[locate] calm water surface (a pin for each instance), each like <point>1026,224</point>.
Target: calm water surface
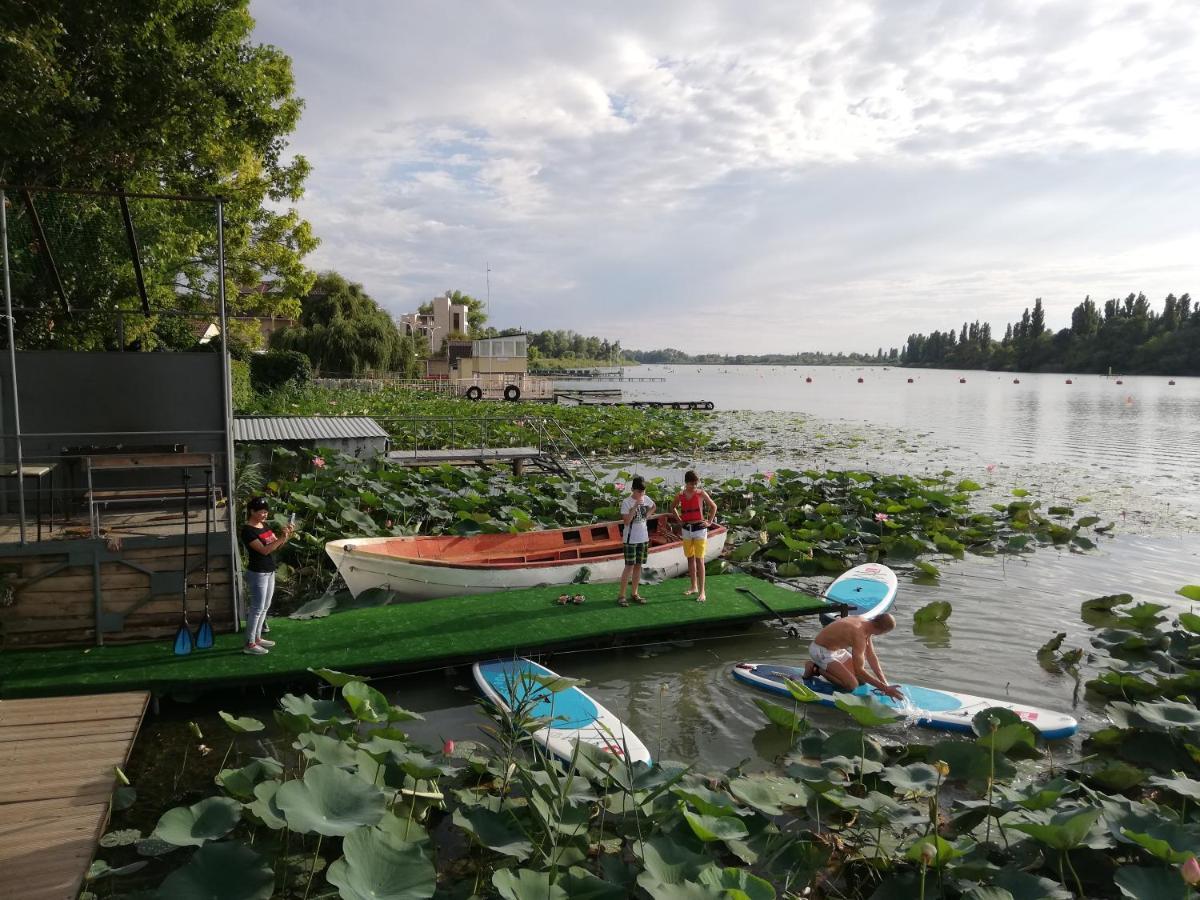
<point>1126,452</point>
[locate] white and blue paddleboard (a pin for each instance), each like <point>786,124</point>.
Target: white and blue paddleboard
<point>869,590</point>
<point>946,710</point>
<point>509,683</point>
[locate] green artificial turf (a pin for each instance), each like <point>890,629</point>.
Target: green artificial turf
<point>405,635</point>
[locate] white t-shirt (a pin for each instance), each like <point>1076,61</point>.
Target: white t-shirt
<point>637,532</point>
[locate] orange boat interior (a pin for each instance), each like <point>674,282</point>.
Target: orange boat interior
<point>588,542</point>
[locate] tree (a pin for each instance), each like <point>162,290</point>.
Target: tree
<point>163,96</point>
<point>344,332</point>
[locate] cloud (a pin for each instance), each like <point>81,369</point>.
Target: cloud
<point>725,176</point>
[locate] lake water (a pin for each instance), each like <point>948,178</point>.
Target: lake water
<point>1125,451</point>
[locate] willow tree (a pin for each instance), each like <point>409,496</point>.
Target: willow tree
<point>345,332</point>
<point>161,96</point>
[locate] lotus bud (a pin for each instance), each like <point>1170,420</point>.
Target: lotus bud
<point>120,775</point>
<point>928,854</point>
<point>1190,871</point>
<point>943,767</point>
<point>195,730</point>
<point>448,748</point>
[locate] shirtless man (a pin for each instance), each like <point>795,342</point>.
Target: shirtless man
<point>841,648</point>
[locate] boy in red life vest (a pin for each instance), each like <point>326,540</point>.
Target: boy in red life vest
<point>688,507</point>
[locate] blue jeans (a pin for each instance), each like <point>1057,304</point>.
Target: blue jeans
<point>262,588</point>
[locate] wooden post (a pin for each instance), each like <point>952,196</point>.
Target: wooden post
<point>518,466</point>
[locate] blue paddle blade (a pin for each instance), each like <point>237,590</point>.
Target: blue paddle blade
<point>183,640</point>
<point>204,635</point>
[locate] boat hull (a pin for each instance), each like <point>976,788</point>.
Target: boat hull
<point>429,580</point>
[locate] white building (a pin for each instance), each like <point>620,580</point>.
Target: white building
<point>445,319</point>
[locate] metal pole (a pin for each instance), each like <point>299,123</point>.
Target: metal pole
<point>12,362</point>
<point>227,404</point>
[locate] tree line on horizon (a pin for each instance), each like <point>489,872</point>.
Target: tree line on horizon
<point>1123,335</point>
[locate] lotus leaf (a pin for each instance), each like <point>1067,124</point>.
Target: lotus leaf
<point>367,704</point>
<point>710,803</point>
<point>121,838</point>
<point>497,831</point>
<point>192,826</point>
<point>243,725</point>
<point>1117,776</point>
<point>329,801</point>
<point>325,749</point>
<point>123,797</point>
<point>944,851</point>
<point>867,712</point>
<point>937,611</point>
<point>375,868</point>
<point>336,678</point>
<point>581,884</point>
<point>770,794</point>
<point>227,870</point>
<point>360,520</point>
<point>1179,784</point>
<point>918,778</point>
<point>737,883</point>
<point>781,716</point>
<point>1191,592</point>
<point>240,782</point>
<point>1169,714</point>
<point>987,892</point>
<point>1140,883</point>
<point>101,869</point>
<point>1024,886</point>
<point>668,862</point>
<point>971,762</point>
<point>314,711</point>
<point>801,692</point>
<point>402,829</point>
<point>715,828</point>
<point>1190,621</point>
<point>1065,831</point>
<point>264,806</point>
<point>555,684</point>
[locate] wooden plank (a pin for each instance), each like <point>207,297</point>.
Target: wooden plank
<point>30,712</point>
<point>118,579</point>
<point>150,461</point>
<point>67,729</point>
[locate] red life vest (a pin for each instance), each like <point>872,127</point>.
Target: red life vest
<point>689,508</point>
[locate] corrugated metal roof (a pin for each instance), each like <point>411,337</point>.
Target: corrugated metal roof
<point>305,428</point>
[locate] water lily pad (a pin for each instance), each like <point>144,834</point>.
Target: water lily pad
<point>866,711</point>
<point>737,883</point>
<point>715,828</point>
<point>264,806</point>
<point>497,831</point>
<point>937,611</point>
<point>101,869</point>
<point>192,826</point>
<point>325,749</point>
<point>1141,883</point>
<point>583,885</point>
<point>1191,592</point>
<point>329,801</point>
<point>1179,784</point>
<point>1065,831</point>
<point>943,851</point>
<point>314,711</point>
<point>1169,714</point>
<point>781,716</point>
<point>919,778</point>
<point>227,870</point>
<point>336,678</point>
<point>668,863</point>
<point>375,868</point>
<point>121,838</point>
<point>240,783</point>
<point>770,794</point>
<point>367,704</point>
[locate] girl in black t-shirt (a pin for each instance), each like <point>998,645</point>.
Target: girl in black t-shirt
<point>261,543</point>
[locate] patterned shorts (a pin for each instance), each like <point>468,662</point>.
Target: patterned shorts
<point>636,554</point>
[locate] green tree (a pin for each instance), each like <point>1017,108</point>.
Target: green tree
<point>162,96</point>
<point>344,332</point>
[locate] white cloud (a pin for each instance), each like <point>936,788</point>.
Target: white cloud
<point>840,173</point>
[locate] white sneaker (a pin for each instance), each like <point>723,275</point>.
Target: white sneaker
<point>263,642</point>
<point>255,650</point>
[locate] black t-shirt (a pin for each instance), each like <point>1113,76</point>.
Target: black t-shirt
<point>255,561</point>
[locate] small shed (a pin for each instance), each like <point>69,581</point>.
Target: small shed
<point>359,436</point>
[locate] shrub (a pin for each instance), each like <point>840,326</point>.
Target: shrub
<point>275,368</point>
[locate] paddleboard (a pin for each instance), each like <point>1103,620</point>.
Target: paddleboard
<point>510,683</point>
<point>945,710</point>
<point>869,590</point>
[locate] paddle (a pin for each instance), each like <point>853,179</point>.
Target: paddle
<point>791,629</point>
<point>204,634</point>
<point>183,637</point>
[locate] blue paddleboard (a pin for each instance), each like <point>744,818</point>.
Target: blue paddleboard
<point>869,590</point>
<point>574,715</point>
<point>945,710</point>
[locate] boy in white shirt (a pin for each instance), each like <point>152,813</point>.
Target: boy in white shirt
<point>635,510</point>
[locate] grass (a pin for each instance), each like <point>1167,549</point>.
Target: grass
<point>408,635</point>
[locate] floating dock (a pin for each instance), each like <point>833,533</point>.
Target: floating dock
<point>58,757</point>
<point>408,636</point>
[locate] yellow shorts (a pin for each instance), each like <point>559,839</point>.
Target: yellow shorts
<point>693,548</point>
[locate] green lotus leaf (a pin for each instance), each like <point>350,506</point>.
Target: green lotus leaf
<point>360,520</point>
<point>918,778</point>
<point>770,794</point>
<point>525,884</point>
<point>1191,592</point>
<point>707,802</point>
<point>121,838</point>
<point>336,678</point>
<point>1024,886</point>
<point>375,868</point>
<point>1065,831</point>
<point>943,851</point>
<point>1171,842</point>
<point>315,712</point>
<point>1117,776</point>
<point>801,692</point>
<point>241,725</point>
<point>581,884</point>
<point>240,783</point>
<point>367,704</point>
<point>1169,714</point>
<point>1179,784</point>
<point>937,611</point>
<point>781,716</point>
<point>264,807</point>
<point>325,749</point>
<point>192,826</point>
<point>329,801</point>
<point>497,831</point>
<point>1141,883</point>
<point>1190,621</point>
<point>101,869</point>
<point>737,883</point>
<point>715,828</point>
<point>987,892</point>
<point>668,862</point>
<point>867,711</point>
<point>227,870</point>
<point>402,829</point>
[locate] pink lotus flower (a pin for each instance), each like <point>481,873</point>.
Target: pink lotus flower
<point>319,462</point>
<point>448,748</point>
<point>620,485</point>
<point>770,476</point>
<point>389,524</point>
<point>1190,871</point>
<point>991,467</point>
<point>881,517</point>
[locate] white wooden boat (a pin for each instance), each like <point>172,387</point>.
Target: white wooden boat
<point>423,567</point>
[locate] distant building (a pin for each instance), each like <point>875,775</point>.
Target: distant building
<point>445,319</point>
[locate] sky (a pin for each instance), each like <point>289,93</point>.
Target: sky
<point>750,177</point>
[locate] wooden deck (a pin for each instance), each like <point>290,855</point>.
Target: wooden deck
<point>479,456</point>
<point>57,756</point>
